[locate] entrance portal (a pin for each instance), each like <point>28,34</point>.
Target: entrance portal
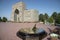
<point>16,15</point>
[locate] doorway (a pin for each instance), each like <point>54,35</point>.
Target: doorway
<point>16,15</point>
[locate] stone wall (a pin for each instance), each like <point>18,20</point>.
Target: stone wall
<point>23,15</point>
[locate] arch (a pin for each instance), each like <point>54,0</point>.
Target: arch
<point>16,15</point>
<point>17,11</point>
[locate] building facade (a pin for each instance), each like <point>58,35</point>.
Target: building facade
<point>21,14</point>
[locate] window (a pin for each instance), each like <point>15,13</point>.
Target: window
<point>17,11</point>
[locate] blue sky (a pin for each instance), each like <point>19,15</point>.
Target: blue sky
<point>43,6</point>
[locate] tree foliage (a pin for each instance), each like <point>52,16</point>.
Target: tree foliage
<point>50,20</point>
<point>4,19</point>
<point>54,15</point>
<point>41,17</point>
<point>57,20</point>
<point>46,16</point>
<point>0,19</point>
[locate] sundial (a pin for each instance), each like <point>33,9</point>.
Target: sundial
<point>31,34</point>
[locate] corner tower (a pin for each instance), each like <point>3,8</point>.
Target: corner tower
<point>17,12</point>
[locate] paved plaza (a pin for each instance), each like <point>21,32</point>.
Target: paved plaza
<point>8,30</point>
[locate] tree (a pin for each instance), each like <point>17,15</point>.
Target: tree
<point>50,20</point>
<point>54,15</point>
<point>4,19</point>
<point>46,16</point>
<point>41,17</point>
<point>0,19</point>
<point>57,20</point>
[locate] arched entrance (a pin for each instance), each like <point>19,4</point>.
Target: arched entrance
<point>16,15</point>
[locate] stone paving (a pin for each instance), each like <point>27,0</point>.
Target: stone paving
<point>8,30</point>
